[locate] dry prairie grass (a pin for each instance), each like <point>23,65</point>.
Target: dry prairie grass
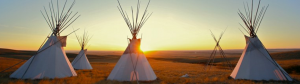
<point>168,72</point>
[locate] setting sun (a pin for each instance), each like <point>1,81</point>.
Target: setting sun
<point>145,47</point>
<point>179,29</point>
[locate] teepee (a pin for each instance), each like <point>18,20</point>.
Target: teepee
<point>133,65</point>
<point>81,61</point>
<point>255,62</point>
<point>50,61</point>
<point>217,48</point>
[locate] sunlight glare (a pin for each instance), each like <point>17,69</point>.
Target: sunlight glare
<point>145,48</point>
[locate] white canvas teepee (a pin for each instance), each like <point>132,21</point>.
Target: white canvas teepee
<point>50,61</point>
<point>81,61</point>
<point>133,64</point>
<point>256,63</point>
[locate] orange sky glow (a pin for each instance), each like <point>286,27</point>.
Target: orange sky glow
<point>174,25</point>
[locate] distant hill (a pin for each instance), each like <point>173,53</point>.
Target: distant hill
<point>25,55</point>
<point>5,51</point>
<point>16,53</point>
<point>21,54</point>
<point>283,55</point>
<point>232,56</point>
<point>286,55</point>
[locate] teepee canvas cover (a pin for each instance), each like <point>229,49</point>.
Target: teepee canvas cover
<point>256,63</point>
<point>133,60</point>
<point>51,61</point>
<point>81,61</point>
<point>133,64</point>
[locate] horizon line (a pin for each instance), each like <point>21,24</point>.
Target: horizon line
<point>157,50</point>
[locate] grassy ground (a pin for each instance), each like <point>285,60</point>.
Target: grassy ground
<point>168,69</point>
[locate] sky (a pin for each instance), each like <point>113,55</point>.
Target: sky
<point>174,24</point>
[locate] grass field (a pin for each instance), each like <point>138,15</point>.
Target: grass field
<point>169,66</point>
